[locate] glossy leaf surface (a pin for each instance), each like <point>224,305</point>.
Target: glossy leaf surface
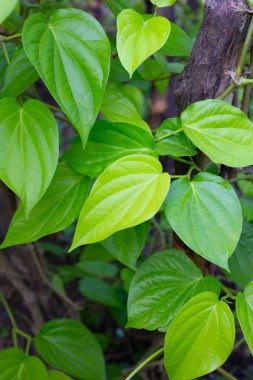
<point>161,286</point>
<point>200,338</point>
<point>127,193</point>
<point>206,214</point>
<point>71,52</point>
<point>244,311</point>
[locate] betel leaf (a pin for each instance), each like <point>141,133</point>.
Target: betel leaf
<point>107,143</point>
<point>179,44</point>
<point>59,207</point>
<point>95,252</point>
<point>221,131</point>
<point>127,193</point>
<point>241,262</point>
<point>118,106</point>
<point>15,365</point>
<point>29,149</point>
<point>99,291</point>
<point>162,285</point>
<point>200,338</point>
<point>127,245</point>
<point>175,145</point>
<point>206,214</point>
<point>163,3</point>
<point>71,53</point>
<point>56,375</point>
<point>244,311</point>
<point>6,7</point>
<point>20,75</point>
<point>69,346</point>
<point>138,39</point>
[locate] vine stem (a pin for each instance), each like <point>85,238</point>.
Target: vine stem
<point>244,51</point>
<point>13,37</point>
<point>145,362</point>
<point>226,374</point>
<point>6,55</point>
<point>11,317</point>
<point>168,135</point>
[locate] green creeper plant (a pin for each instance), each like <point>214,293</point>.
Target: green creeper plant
<point>110,179</point>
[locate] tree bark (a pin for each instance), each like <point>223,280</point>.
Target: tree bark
<point>215,53</point>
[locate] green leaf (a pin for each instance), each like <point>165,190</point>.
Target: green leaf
<point>206,214</point>
<point>126,276</point>
<point>244,311</point>
<point>241,262</point>
<point>11,49</point>
<point>95,252</point>
<point>200,338</point>
<point>29,149</point>
<point>177,145</point>
<point>127,245</point>
<point>118,106</point>
<point>138,39</point>
<point>127,193</point>
<point>107,143</point>
<point>69,346</point>
<point>15,365</point>
<point>59,207</point>
<point>20,75</point>
<point>98,268</point>
<point>55,375</point>
<point>161,286</point>
<point>6,7</point>
<point>71,53</point>
<point>163,3</point>
<point>221,131</point>
<point>179,44</point>
<point>99,291</point>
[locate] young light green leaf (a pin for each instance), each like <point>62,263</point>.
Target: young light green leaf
<point>6,7</point>
<point>161,286</point>
<point>71,53</point>
<point>127,193</point>
<point>107,143</point>
<point>20,75</point>
<point>99,291</point>
<point>127,245</point>
<point>206,214</point>
<point>221,131</point>
<point>175,145</point>
<point>69,346</point>
<point>119,106</point>
<point>163,3</point>
<point>200,338</point>
<point>179,44</point>
<point>244,311</point>
<point>241,262</point>
<point>59,207</point>
<point>29,149</point>
<point>138,39</point>
<point>55,375</point>
<point>14,364</point>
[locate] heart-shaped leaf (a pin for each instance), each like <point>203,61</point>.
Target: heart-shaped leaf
<point>244,311</point>
<point>221,131</point>
<point>71,53</point>
<point>127,193</point>
<point>71,347</point>
<point>206,214</point>
<point>200,338</point>
<point>161,286</point>
<point>138,39</point>
<point>14,364</point>
<point>29,149</point>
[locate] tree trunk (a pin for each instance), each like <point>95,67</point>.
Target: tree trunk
<point>214,58</point>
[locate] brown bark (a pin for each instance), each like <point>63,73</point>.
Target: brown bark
<point>214,57</point>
